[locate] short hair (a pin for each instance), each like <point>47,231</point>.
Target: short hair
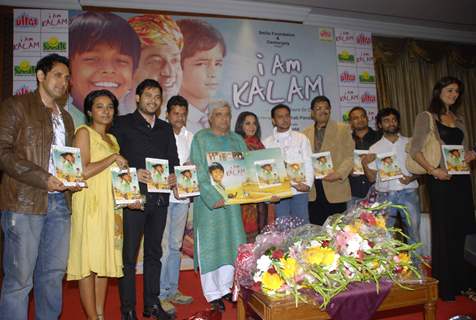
<point>240,121</point>
<point>452,151</point>
<point>199,35</point>
<point>358,108</point>
<point>157,165</point>
<point>320,99</point>
<point>89,101</point>
<point>47,63</point>
<point>185,171</point>
<point>215,166</point>
<point>436,105</point>
<point>177,101</point>
<point>279,106</point>
<point>385,112</point>
<point>65,154</point>
<point>147,83</point>
<point>215,104</point>
<point>89,29</point>
<point>156,29</point>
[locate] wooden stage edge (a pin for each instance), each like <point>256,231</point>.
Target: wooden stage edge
<point>425,293</point>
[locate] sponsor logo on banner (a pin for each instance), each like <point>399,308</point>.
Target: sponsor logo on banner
<point>26,43</point>
<point>363,39</point>
<point>347,76</point>
<point>24,68</point>
<point>368,97</point>
<point>22,87</point>
<point>54,20</point>
<point>26,20</point>
<point>345,56</point>
<point>349,96</point>
<point>366,76</point>
<point>364,56</point>
<point>325,34</point>
<point>54,42</point>
<point>345,37</point>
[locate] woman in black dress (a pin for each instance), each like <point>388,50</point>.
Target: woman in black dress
<point>451,196</point>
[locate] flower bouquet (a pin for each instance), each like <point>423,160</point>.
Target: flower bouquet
<point>315,263</point>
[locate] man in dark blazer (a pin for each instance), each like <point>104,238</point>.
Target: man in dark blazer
<point>141,135</point>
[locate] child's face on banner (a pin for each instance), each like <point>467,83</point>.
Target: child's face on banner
<point>161,62</point>
<point>202,72</point>
<point>103,67</point>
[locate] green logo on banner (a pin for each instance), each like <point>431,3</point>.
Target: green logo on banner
<point>53,44</point>
<point>24,69</point>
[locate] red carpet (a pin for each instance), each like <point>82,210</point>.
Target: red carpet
<point>190,285</point>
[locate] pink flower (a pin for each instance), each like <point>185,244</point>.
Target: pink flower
<point>342,238</point>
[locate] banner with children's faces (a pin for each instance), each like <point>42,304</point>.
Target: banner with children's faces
<point>253,65</point>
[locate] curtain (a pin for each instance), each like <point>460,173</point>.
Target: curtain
<point>406,71</point>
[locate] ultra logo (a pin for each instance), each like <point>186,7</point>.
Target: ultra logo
<point>22,90</point>
<point>26,21</point>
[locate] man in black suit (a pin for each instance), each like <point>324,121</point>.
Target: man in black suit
<point>142,134</point>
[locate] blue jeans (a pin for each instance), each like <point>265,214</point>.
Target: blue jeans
<point>295,206</point>
<point>410,199</point>
<point>35,255</point>
<point>171,245</point>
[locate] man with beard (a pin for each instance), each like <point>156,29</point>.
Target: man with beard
<point>141,135</point>
<point>364,137</point>
<point>402,191</point>
<point>35,209</point>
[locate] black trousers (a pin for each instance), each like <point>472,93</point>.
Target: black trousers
<point>320,209</point>
<point>151,224</point>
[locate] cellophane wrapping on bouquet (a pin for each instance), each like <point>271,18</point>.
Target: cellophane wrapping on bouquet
<point>315,263</point>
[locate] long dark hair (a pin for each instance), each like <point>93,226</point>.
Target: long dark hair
<point>89,101</point>
<point>241,120</point>
<point>436,105</point>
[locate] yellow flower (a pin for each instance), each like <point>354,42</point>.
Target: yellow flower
<point>271,281</point>
<point>404,258</point>
<point>351,228</point>
<point>319,256</point>
<point>289,267</point>
<point>380,222</point>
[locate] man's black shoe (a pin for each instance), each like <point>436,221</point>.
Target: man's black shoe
<point>228,297</point>
<point>157,312</point>
<point>218,305</point>
<point>130,315</point>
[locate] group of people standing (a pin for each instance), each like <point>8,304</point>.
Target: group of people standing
<point>99,241</point>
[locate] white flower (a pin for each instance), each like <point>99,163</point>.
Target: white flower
<point>354,244</point>
<point>315,243</point>
<point>334,264</point>
<point>263,263</point>
<point>258,276</point>
<point>364,246</point>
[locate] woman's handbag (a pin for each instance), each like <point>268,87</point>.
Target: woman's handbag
<point>431,151</point>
